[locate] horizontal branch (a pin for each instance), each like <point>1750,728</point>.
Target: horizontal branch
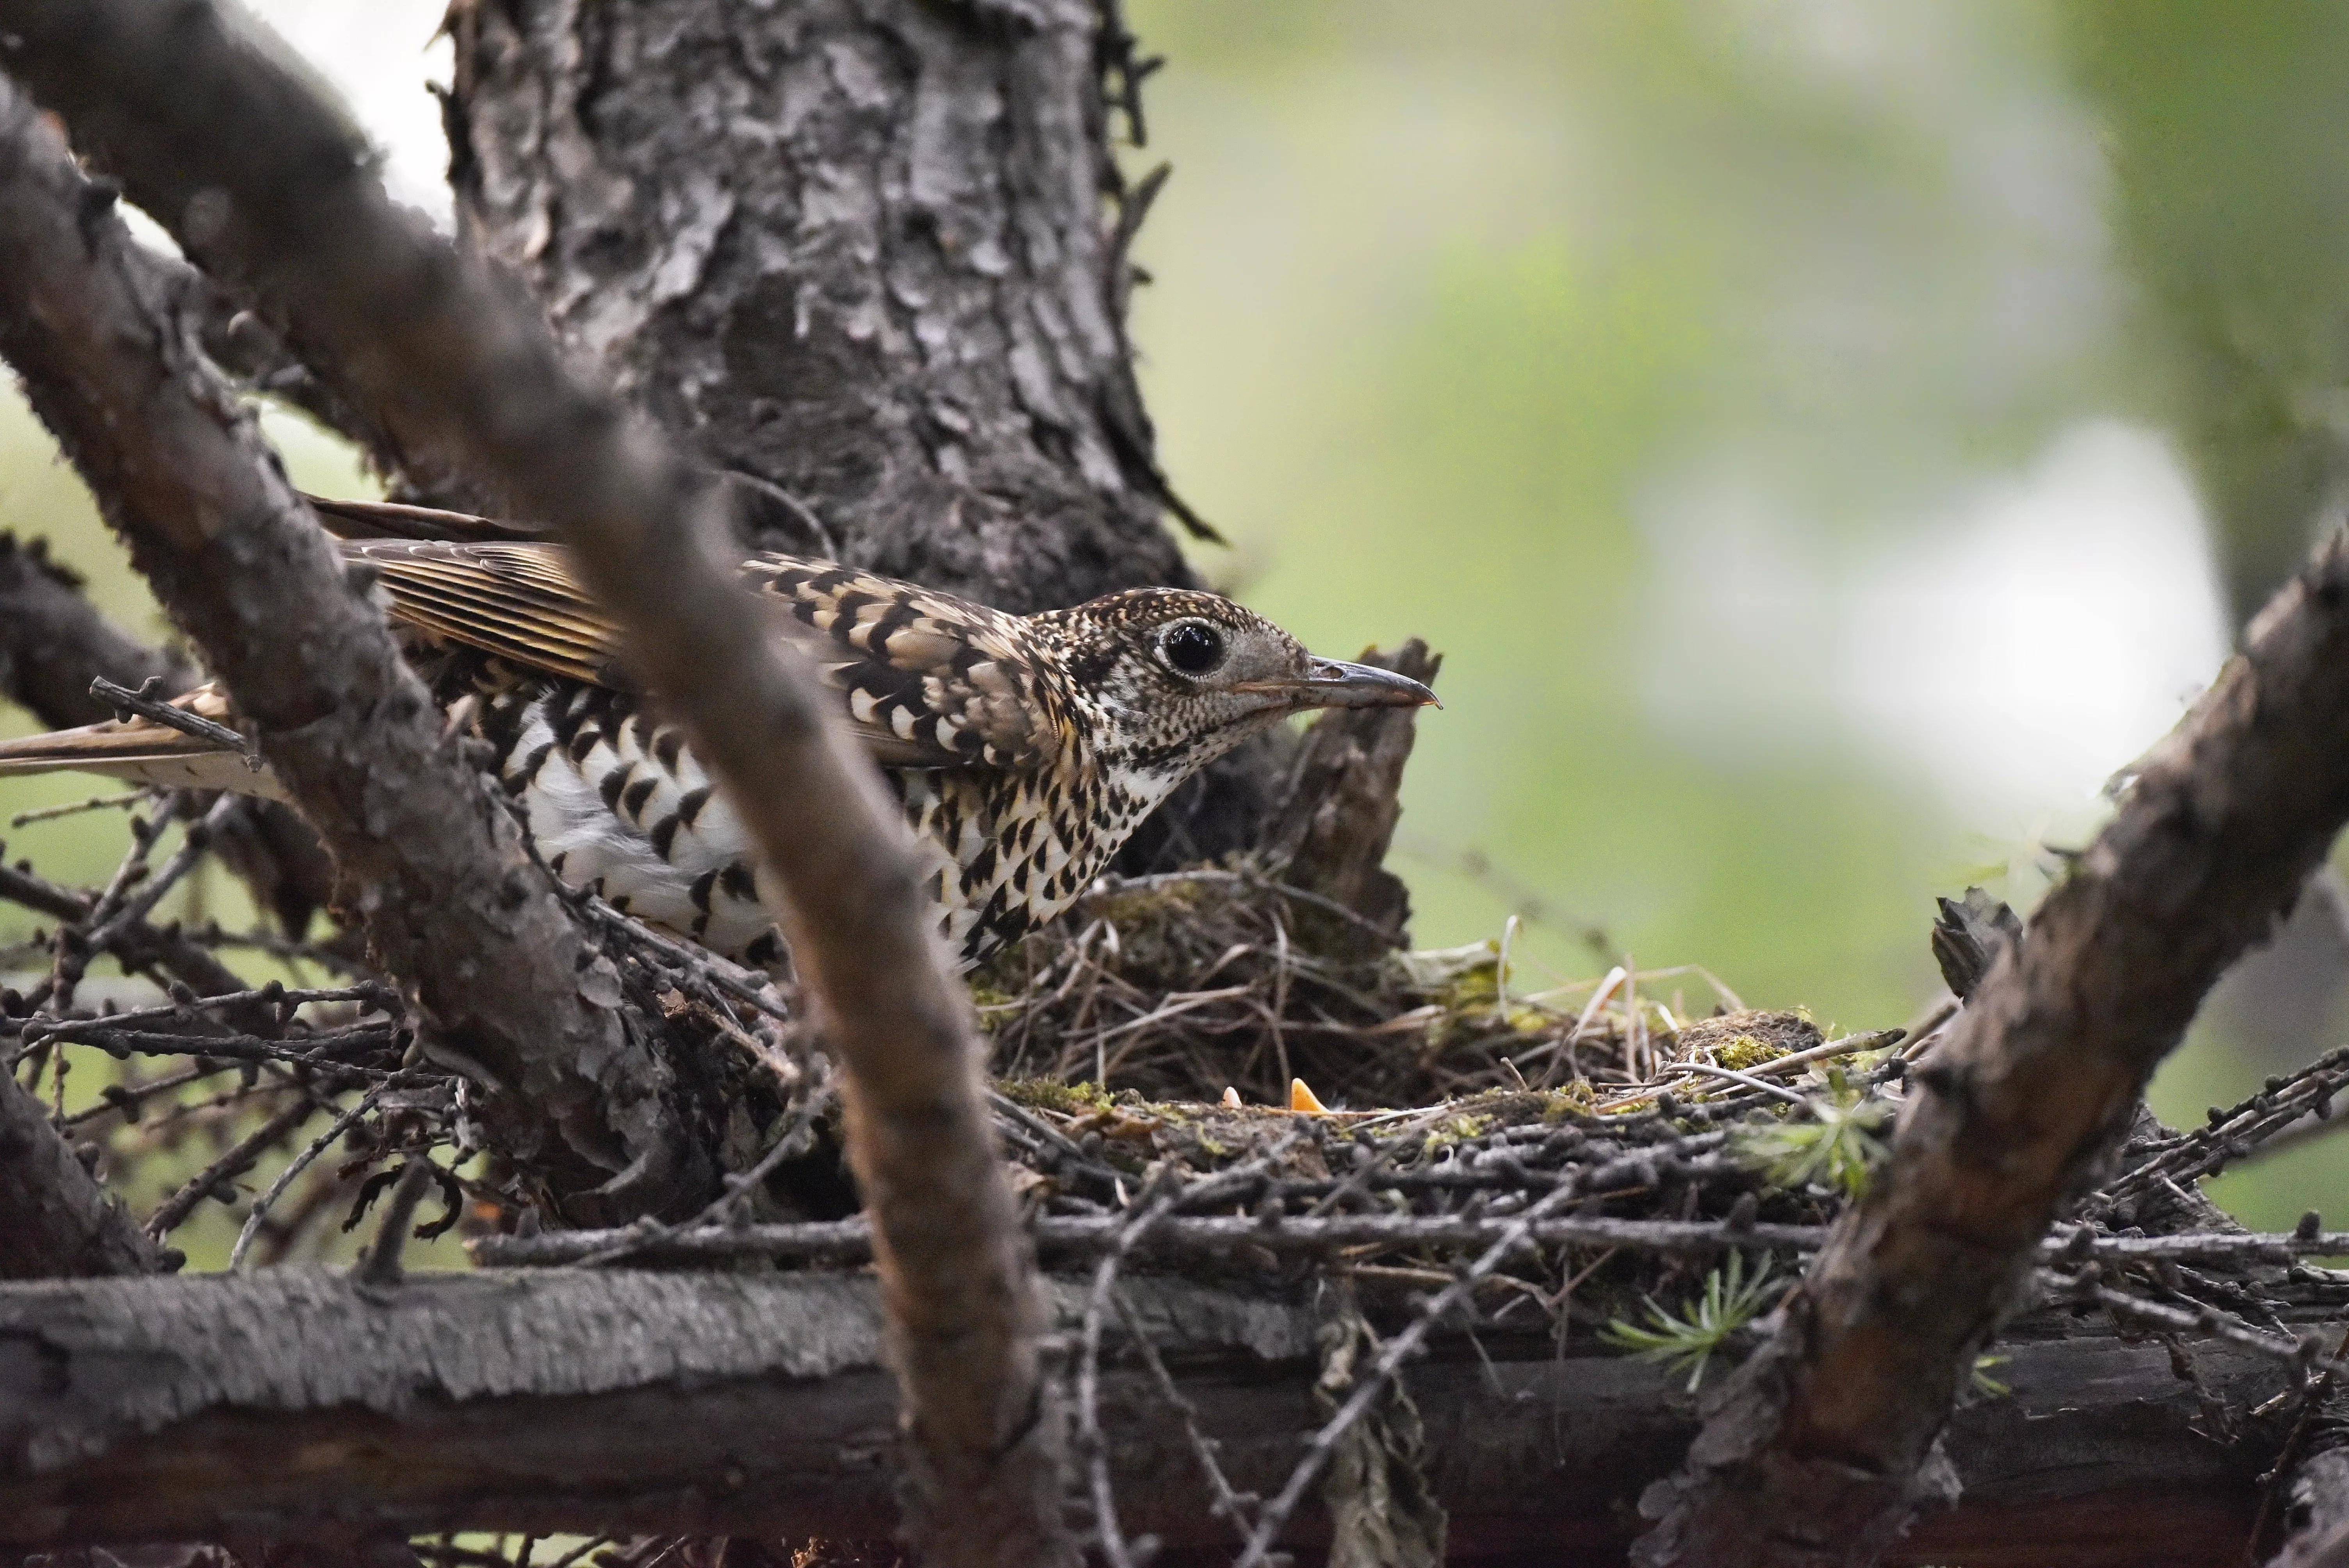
<point>851,1241</point>
<point>53,641</point>
<point>740,1403</point>
<point>138,945</point>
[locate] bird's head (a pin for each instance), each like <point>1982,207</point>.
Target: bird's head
<point>1183,676</point>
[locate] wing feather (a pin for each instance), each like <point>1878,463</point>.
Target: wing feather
<point>927,679</point>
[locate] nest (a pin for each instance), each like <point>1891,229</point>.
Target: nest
<point>1216,1073</point>
<point>1186,985</point>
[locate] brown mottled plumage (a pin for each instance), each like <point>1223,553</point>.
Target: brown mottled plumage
<point>1025,748</point>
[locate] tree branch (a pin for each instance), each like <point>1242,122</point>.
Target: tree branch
<point>2312,1474</point>
<point>53,642</point>
<point>2320,1539</point>
<point>1331,833</point>
<point>435,868</point>
<point>752,1405</point>
<point>60,1223</point>
<point>1823,1444</point>
<point>263,182</point>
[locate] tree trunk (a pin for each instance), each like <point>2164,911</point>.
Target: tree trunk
<point>855,251</point>
<point>870,259</point>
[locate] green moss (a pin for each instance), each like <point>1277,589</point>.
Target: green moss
<point>1746,1052</point>
<point>1455,1129</point>
<point>1048,1094</point>
<point>1576,1099</point>
<point>984,995</point>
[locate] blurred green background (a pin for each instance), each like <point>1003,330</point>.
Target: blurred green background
<point>1827,439</point>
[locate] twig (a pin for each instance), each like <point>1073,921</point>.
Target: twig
<point>2177,1320</point>
<point>1151,1209</point>
<point>796,1138</point>
<point>2312,1404</point>
<point>315,1050</point>
<point>236,1162</point>
<point>147,703</point>
<point>448,362</point>
<point>698,962</point>
<point>850,1241</point>
<point>1747,1079</point>
<point>1516,1233</point>
<point>133,909</point>
<point>1835,1417</point>
<point>382,1265</point>
<point>295,1167</point>
<point>1228,1503</point>
<point>91,322</point>
<point>95,803</point>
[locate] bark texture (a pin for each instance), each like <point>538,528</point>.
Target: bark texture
<point>867,256</point>
<point>854,250</point>
<point>563,1400</point>
<point>2320,1538</point>
<point>1825,1442</point>
<point>1331,835</point>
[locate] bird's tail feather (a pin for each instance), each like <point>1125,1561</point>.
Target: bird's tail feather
<point>143,751</point>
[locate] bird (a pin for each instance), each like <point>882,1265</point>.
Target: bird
<point>1023,749</point>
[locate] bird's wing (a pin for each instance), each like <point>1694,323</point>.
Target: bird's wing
<point>390,519</point>
<point>927,679</point>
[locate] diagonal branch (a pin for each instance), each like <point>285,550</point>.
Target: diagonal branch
<point>263,182</point>
<point>1824,1443</point>
<point>59,1222</point>
<point>53,641</point>
<point>433,866</point>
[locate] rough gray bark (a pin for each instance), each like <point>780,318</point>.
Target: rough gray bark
<point>263,180</point>
<point>756,1405</point>
<point>856,252</point>
<point>2312,1475</point>
<point>433,867</point>
<point>58,1221</point>
<point>1825,1442</point>
<point>2320,1515</point>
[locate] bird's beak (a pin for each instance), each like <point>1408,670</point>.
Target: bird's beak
<point>1333,683</point>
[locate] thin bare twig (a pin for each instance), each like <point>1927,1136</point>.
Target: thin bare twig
<point>296,1166</point>
<point>148,703</point>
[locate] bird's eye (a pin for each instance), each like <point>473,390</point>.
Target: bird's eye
<point>1193,648</point>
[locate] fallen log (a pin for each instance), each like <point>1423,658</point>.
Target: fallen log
<point>291,1402</point>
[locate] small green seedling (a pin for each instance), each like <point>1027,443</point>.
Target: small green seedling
<point>1728,1303</point>
<point>1838,1148</point>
